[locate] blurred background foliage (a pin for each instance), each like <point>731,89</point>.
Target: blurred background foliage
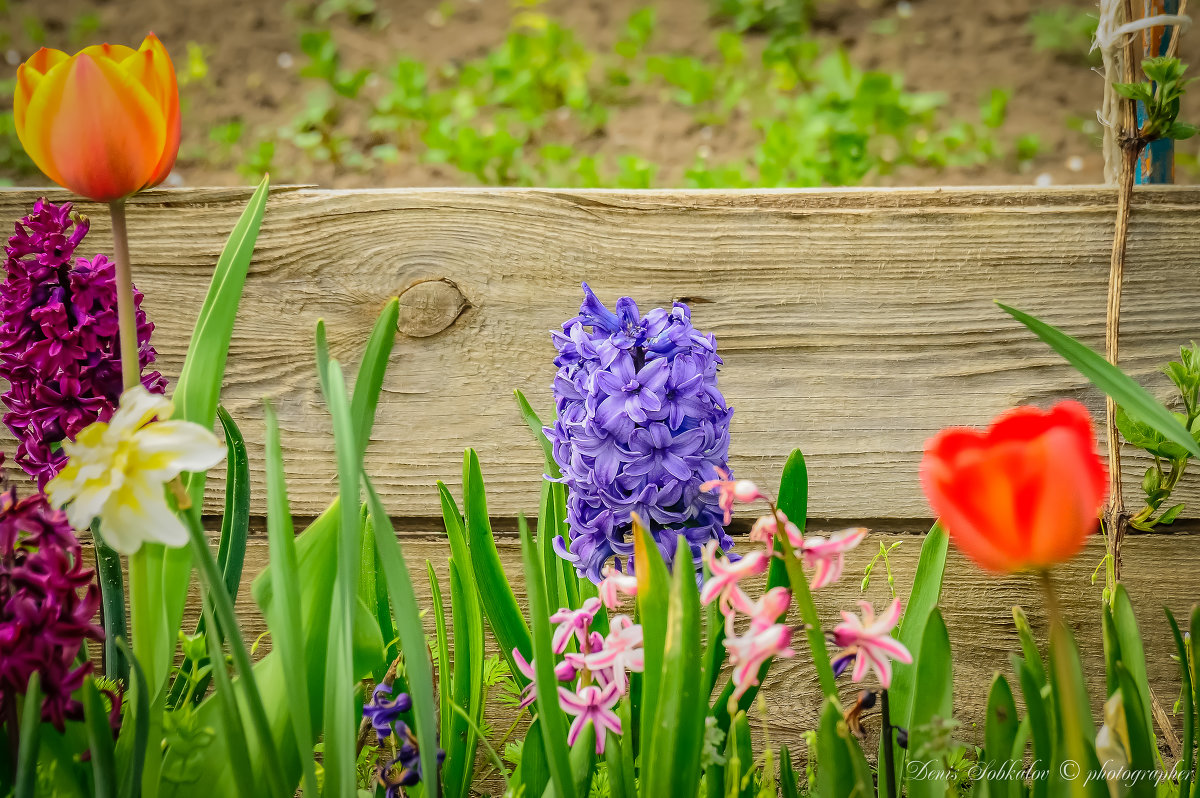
<point>686,93</point>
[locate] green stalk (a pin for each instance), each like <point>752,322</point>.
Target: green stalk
<point>812,621</point>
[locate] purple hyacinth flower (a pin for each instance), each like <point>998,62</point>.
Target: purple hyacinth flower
<point>59,339</point>
<point>641,423</point>
<point>48,601</point>
<point>383,710</point>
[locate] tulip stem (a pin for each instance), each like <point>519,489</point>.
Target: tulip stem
<point>1053,610</point>
<point>131,366</point>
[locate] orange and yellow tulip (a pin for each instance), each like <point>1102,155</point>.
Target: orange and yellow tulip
<point>103,123</point>
<point>1023,494</point>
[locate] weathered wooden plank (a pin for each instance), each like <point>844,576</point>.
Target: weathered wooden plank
<point>1162,570</point>
<point>854,323</point>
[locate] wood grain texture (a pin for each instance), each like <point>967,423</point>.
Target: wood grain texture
<point>853,323</point>
<point>1163,571</point>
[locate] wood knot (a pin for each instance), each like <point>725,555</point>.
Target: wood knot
<point>430,306</point>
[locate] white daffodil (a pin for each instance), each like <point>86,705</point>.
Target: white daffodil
<point>117,470</point>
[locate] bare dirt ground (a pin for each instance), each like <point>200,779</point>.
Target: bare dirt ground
<point>963,48</point>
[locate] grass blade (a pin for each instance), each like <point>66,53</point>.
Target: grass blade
<point>131,783</point>
<point>287,633</point>
<point>550,714</point>
<point>1133,398</point>
<point>932,698</point>
<point>369,381</point>
<point>653,601</point>
<point>999,734</point>
<point>534,422</point>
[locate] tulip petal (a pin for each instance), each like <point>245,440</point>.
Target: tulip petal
<point>151,66</point>
<point>93,129</point>
<point>29,75</point>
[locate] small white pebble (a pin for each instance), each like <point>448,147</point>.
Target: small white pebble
<point>904,9</point>
<point>1044,179</point>
<point>704,151</point>
<point>706,132</point>
<point>12,57</point>
<point>1075,163</point>
<point>285,60</point>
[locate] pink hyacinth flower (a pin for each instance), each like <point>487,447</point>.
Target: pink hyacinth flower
<point>563,671</point>
<point>593,704</point>
<point>725,575</point>
<point>614,584</point>
<point>767,527</point>
<point>766,611</point>
<point>573,623</point>
<point>730,491</point>
<point>750,652</point>
<point>868,641</point>
<point>826,558</point>
<point>620,652</point>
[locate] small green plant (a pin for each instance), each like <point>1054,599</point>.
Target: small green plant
<point>1065,31</point>
<point>1160,97</point>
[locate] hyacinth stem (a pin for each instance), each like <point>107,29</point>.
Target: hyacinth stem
<point>131,367</point>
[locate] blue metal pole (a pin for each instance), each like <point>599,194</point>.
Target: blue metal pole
<point>1157,162</point>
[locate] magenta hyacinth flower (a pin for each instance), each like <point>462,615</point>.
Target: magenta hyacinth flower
<point>563,671</point>
<point>593,704</point>
<point>614,584</point>
<point>48,600</point>
<point>573,623</point>
<point>766,529</point>
<point>867,642</point>
<point>620,652</point>
<point>722,584</point>
<point>765,612</point>
<point>827,557</point>
<point>730,490</point>
<point>58,338</point>
<point>751,651</point>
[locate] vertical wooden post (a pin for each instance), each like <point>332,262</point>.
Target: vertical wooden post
<point>1157,161</point>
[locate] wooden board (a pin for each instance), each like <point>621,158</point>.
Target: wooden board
<point>854,323</point>
<point>1162,571</point>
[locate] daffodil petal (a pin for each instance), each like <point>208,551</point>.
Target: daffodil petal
<point>137,408</point>
<point>191,447</point>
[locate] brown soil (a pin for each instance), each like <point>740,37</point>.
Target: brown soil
<point>963,49</point>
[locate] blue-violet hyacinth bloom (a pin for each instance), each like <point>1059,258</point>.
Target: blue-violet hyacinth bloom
<point>58,338</point>
<point>384,711</point>
<point>641,424</point>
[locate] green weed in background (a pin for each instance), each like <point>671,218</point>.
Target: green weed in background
<point>534,108</point>
<point>1065,31</point>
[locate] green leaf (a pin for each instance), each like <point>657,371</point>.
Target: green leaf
<point>1077,732</point>
<point>583,764</point>
<point>535,767</point>
<point>369,381</point>
<point>443,649</point>
<point>534,422</point>
<point>787,775</point>
<point>341,728</point>
<point>234,738</point>
<point>1033,656</point>
<point>1136,401</point>
<point>1040,726</point>
<point>933,697</point>
<point>922,602</point>
<point>681,705</point>
<point>1135,91</point>
<point>30,737</point>
<point>842,770</point>
<point>408,625</point>
<point>653,600</point>
<point>550,714</point>
<point>131,782</point>
<point>195,399</point>
<point>499,604</point>
<point>1187,755</point>
<point>112,595</point>
<point>284,618</point>
<point>1133,656</point>
<point>100,742</point>
<point>467,680</point>
<point>1180,131</point>
<point>1143,748</point>
<point>999,734</point>
<point>614,759</point>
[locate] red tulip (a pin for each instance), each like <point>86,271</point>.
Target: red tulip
<point>1023,494</point>
<point>104,122</point>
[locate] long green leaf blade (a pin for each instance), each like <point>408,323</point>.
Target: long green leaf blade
<point>369,381</point>
<point>1135,399</point>
<point>285,622</point>
<point>100,742</point>
<point>550,714</point>
<point>234,738</point>
<point>410,629</point>
<point>30,737</point>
